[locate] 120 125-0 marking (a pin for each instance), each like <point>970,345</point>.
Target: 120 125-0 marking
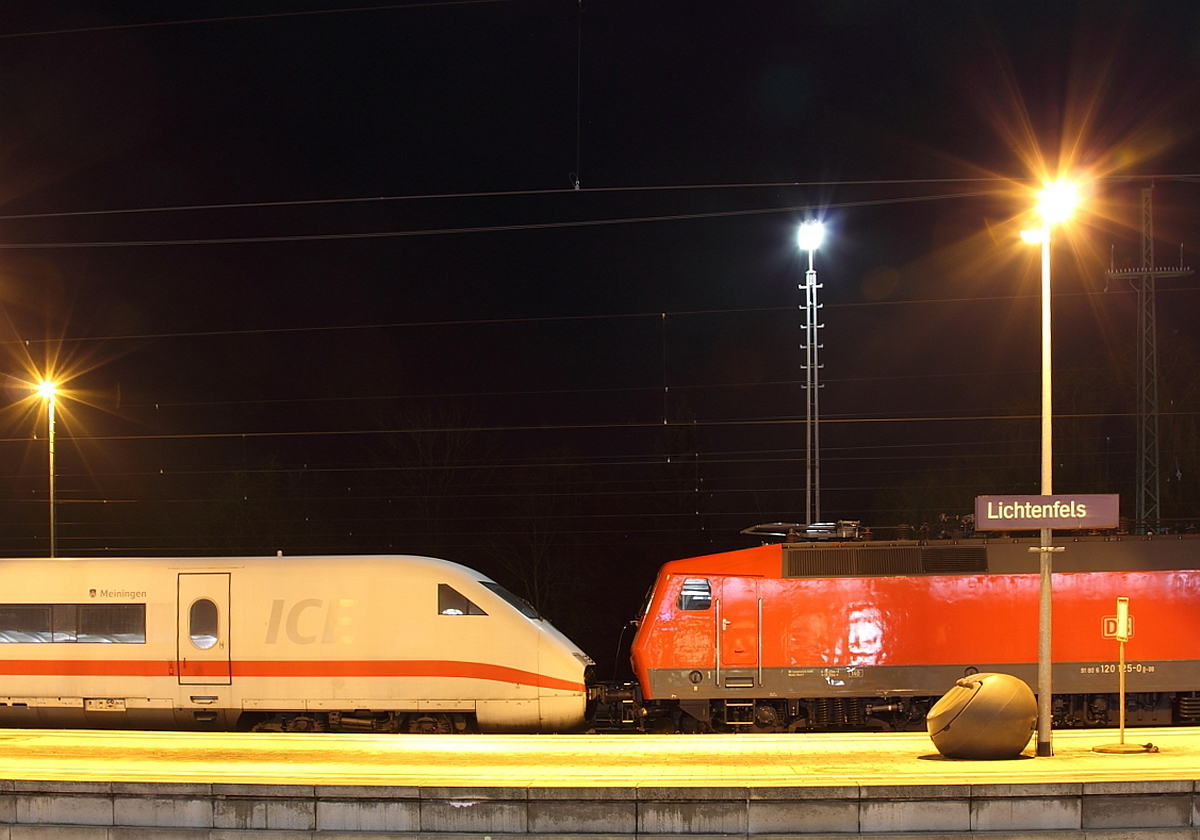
<point>1113,668</point>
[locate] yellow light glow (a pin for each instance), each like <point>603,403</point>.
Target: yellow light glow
<point>1057,201</point>
<point>1034,237</point>
<point>46,389</point>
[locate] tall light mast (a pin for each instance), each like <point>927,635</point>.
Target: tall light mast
<point>1147,510</point>
<point>809,239</point>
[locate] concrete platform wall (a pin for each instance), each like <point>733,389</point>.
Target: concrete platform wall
<point>113,811</point>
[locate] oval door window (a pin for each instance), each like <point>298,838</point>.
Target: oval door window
<point>202,624</point>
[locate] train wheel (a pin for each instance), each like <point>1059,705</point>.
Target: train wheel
<point>767,718</point>
<point>303,723</point>
<point>284,723</point>
<point>430,725</point>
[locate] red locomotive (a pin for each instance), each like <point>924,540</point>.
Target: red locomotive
<point>853,635</point>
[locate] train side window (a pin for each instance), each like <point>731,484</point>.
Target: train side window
<point>64,622</point>
<point>111,623</point>
<point>202,624</point>
<point>86,623</point>
<point>21,623</point>
<point>453,602</point>
<point>695,595</point>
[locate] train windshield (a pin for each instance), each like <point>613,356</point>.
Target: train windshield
<point>524,607</point>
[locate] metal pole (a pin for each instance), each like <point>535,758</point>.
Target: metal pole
<point>815,399</point>
<point>807,399</point>
<point>50,425</point>
<point>1120,686</point>
<point>810,385</point>
<point>1044,746</point>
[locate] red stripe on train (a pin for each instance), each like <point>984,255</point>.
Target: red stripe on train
<point>285,668</point>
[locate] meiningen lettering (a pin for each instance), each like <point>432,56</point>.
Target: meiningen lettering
<point>121,593</point>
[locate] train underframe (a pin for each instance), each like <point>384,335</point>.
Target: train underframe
<point>617,708</point>
<point>422,723</point>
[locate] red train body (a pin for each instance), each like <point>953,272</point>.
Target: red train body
<point>870,634</point>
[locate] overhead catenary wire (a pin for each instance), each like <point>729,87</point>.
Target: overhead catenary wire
<point>544,319</point>
<point>999,187</point>
<point>464,229</point>
<point>82,30</point>
<point>645,188</point>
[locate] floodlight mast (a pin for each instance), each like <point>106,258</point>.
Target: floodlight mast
<point>809,239</point>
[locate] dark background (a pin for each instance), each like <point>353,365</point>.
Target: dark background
<point>322,281</point>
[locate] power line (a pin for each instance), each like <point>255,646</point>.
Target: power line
<point>233,18</point>
<point>576,427</point>
<point>548,319</point>
<point>473,229</point>
<point>649,188</point>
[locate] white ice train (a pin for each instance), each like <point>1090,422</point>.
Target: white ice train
<point>358,644</point>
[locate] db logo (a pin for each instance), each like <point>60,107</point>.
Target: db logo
<point>1110,627</point>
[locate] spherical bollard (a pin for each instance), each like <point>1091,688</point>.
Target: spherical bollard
<point>984,716</point>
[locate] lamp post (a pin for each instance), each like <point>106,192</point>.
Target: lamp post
<point>1055,203</point>
<point>47,391</point>
<point>809,239</point>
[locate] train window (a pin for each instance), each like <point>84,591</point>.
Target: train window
<point>64,622</point>
<point>84,623</point>
<point>115,623</point>
<point>524,607</point>
<point>646,601</point>
<point>695,595</point>
<point>202,624</point>
<point>453,602</point>
<point>24,623</point>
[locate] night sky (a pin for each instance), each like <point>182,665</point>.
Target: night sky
<point>514,282</point>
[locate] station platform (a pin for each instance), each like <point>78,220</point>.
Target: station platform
<point>185,785</point>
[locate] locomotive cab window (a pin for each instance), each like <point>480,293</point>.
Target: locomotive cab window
<point>202,624</point>
<point>453,602</point>
<point>696,594</point>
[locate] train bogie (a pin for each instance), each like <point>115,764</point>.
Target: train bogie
<point>386,643</point>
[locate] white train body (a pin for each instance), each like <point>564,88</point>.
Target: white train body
<point>367,643</point>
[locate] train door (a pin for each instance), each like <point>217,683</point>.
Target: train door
<point>203,637</point>
<point>738,618</point>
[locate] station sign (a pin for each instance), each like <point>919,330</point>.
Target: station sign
<point>1022,513</point>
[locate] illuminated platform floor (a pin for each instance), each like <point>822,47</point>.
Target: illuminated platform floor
<point>575,760</point>
<point>181,786</point>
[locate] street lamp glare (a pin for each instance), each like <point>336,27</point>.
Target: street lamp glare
<point>1057,201</point>
<point>46,389</point>
<point>810,235</point>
